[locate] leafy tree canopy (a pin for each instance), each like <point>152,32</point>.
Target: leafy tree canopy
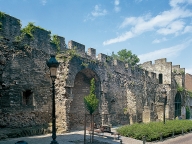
<point>91,102</point>
<point>126,56</point>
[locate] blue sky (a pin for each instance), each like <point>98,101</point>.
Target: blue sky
<point>151,29</point>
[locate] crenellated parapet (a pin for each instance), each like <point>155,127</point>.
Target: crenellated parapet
<point>179,75</point>
<point>177,70</point>
<point>9,27</point>
<point>162,68</point>
<point>30,36</point>
<point>102,57</point>
<point>80,48</point>
<point>91,52</point>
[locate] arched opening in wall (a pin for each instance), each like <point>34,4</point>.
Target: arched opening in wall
<point>177,105</point>
<point>160,78</point>
<point>80,90</point>
<point>27,98</point>
<point>152,107</point>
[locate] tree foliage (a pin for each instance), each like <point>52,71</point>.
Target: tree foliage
<point>91,102</point>
<point>126,56</point>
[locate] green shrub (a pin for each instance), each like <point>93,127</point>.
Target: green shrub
<point>153,130</point>
<point>55,40</point>
<point>2,14</point>
<point>180,88</point>
<point>187,112</point>
<point>29,29</point>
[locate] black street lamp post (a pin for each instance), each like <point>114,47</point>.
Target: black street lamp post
<point>164,93</point>
<point>53,64</point>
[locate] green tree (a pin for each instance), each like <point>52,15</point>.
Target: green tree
<point>91,104</point>
<point>126,56</point>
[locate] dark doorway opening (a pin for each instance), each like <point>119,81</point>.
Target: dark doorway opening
<point>27,98</point>
<point>177,105</point>
<point>160,79</point>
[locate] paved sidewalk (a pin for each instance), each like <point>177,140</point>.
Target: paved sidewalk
<point>78,135</point>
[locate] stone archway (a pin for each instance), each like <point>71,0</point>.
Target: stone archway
<point>177,105</point>
<point>81,89</point>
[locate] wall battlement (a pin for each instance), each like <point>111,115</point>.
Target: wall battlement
<point>10,27</point>
<point>177,70</point>
<point>160,61</point>
<point>41,39</point>
<point>25,80</point>
<point>80,48</point>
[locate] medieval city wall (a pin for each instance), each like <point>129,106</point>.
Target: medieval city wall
<point>126,94</point>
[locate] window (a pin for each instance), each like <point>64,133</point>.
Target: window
<point>160,79</point>
<point>152,107</point>
<point>27,97</point>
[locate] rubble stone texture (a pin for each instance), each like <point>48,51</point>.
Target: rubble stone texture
<point>25,85</point>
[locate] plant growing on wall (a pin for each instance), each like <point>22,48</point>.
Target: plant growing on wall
<point>182,72</point>
<point>29,29</point>
<point>85,64</point>
<point>175,71</point>
<point>2,14</point>
<point>180,88</point>
<point>91,103</point>
<point>55,40</point>
<point>187,112</point>
<point>189,93</point>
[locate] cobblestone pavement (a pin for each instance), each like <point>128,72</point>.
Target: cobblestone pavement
<point>77,138</point>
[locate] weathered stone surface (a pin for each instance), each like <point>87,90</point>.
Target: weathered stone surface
<point>25,85</point>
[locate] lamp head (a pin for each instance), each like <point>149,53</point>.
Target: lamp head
<point>53,64</point>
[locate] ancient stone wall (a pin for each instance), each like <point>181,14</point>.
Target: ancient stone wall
<point>25,82</point>
<point>126,94</point>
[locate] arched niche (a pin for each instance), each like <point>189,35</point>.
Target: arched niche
<point>80,90</point>
<point>177,105</point>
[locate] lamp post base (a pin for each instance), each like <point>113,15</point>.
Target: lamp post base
<point>54,142</point>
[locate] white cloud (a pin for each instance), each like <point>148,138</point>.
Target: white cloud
<point>167,22</point>
<point>162,53</point>
<point>175,3</point>
<point>170,52</point>
<point>172,28</point>
<point>131,21</point>
<point>121,38</point>
<point>187,29</point>
<point>98,11</point>
<point>188,70</point>
<point>43,2</point>
<point>117,8</point>
<point>159,40</point>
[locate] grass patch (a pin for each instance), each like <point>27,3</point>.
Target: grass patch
<point>153,130</point>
